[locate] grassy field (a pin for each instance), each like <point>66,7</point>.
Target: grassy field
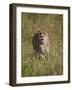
<point>52,64</point>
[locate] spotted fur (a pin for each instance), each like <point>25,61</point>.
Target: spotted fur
<point>40,42</point>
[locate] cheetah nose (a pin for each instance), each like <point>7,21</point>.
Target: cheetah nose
<point>41,36</point>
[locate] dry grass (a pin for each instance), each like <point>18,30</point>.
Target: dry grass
<point>34,65</point>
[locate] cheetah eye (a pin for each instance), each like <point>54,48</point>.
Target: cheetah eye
<point>39,33</point>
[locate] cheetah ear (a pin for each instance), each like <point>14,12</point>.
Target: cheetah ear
<point>38,31</point>
<point>46,29</point>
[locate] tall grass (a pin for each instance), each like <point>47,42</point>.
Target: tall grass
<point>52,63</point>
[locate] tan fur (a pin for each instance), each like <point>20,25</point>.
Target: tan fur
<point>41,43</point>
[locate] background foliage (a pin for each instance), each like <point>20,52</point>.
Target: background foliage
<point>53,63</point>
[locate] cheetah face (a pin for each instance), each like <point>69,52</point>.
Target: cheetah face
<point>42,37</point>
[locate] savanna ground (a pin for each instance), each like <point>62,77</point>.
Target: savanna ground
<point>32,65</point>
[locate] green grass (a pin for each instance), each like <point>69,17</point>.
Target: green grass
<point>34,65</point>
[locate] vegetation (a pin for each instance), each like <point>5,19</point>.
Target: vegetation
<point>34,65</point>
